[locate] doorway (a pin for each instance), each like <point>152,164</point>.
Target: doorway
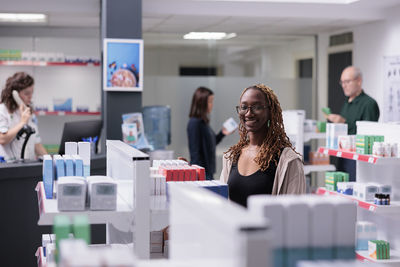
<point>336,63</point>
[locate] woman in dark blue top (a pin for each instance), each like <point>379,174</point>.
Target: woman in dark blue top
<point>202,139</point>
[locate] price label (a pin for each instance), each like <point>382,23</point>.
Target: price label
<point>339,154</point>
<point>325,151</point>
<point>355,156</point>
<point>370,160</point>
<point>61,113</point>
<point>372,208</point>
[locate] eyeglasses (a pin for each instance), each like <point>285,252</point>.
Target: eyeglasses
<point>241,110</point>
<point>346,82</point>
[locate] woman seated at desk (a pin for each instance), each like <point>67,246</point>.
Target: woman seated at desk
<point>14,117</point>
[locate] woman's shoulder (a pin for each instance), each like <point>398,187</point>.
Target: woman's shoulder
<point>3,108</point>
<point>194,121</point>
<point>288,154</point>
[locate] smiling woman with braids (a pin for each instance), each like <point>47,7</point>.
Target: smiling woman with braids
<point>263,161</point>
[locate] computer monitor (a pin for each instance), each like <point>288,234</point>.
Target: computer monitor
<point>76,131</point>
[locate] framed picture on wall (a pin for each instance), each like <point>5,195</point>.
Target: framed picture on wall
<point>123,65</point>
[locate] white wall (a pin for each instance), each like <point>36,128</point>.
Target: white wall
<point>372,42</point>
<point>278,61</point>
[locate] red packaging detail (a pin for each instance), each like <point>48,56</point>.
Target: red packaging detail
<point>186,170</point>
<point>201,172</point>
<point>181,174</point>
<point>167,172</point>
<point>175,174</point>
<point>193,174</point>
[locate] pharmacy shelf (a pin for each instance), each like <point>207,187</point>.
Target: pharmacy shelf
<point>360,157</point>
<point>40,258</point>
<point>159,211</point>
<point>393,208</point>
<point>313,135</point>
<point>66,113</point>
<point>45,63</point>
<point>318,168</point>
<point>48,210</point>
<point>362,255</point>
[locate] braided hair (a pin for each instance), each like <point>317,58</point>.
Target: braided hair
<point>275,139</point>
<point>19,81</point>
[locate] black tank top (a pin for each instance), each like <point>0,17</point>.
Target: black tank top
<point>260,182</point>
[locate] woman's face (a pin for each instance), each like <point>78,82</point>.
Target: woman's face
<point>254,111</point>
<point>210,103</point>
<point>26,95</point>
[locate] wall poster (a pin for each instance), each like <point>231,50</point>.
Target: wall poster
<point>391,81</point>
<point>123,64</point>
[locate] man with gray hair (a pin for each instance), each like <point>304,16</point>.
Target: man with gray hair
<point>358,105</point>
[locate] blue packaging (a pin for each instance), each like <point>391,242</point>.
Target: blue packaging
<point>279,255</point>
<point>296,254</point>
<point>345,253</point>
<point>48,177</point>
<point>318,253</point>
<point>78,162</point>
<point>69,165</point>
<point>59,166</point>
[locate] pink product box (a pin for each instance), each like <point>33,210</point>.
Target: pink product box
<point>346,143</point>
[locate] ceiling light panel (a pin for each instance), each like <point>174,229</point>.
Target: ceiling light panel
<point>208,36</point>
<point>342,2</point>
<point>23,17</point>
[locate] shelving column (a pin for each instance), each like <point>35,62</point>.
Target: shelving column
<point>119,19</point>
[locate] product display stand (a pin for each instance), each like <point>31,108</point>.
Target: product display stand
<point>380,170</point>
<point>137,212</point>
<point>48,210</point>
<point>206,230</point>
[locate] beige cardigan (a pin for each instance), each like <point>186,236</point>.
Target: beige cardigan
<point>289,176</point>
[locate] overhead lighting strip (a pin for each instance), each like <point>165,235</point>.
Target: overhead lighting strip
<point>341,2</point>
<point>208,36</point>
<point>23,17</point>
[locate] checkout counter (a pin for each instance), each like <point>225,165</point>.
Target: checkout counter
<point>20,234</point>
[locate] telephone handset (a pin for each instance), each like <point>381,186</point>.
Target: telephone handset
<point>18,99</point>
<point>27,130</point>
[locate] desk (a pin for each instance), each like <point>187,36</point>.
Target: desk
<point>20,234</point>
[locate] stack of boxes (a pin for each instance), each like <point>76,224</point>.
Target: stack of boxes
<point>178,170</point>
<point>317,158</point>
<point>62,229</point>
<point>10,54</point>
<point>365,231</point>
<point>364,143</point>
<point>156,242</point>
<point>379,249</point>
<point>75,162</point>
<point>332,178</point>
<point>159,241</point>
<point>308,227</point>
<point>333,131</point>
<point>166,171</point>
